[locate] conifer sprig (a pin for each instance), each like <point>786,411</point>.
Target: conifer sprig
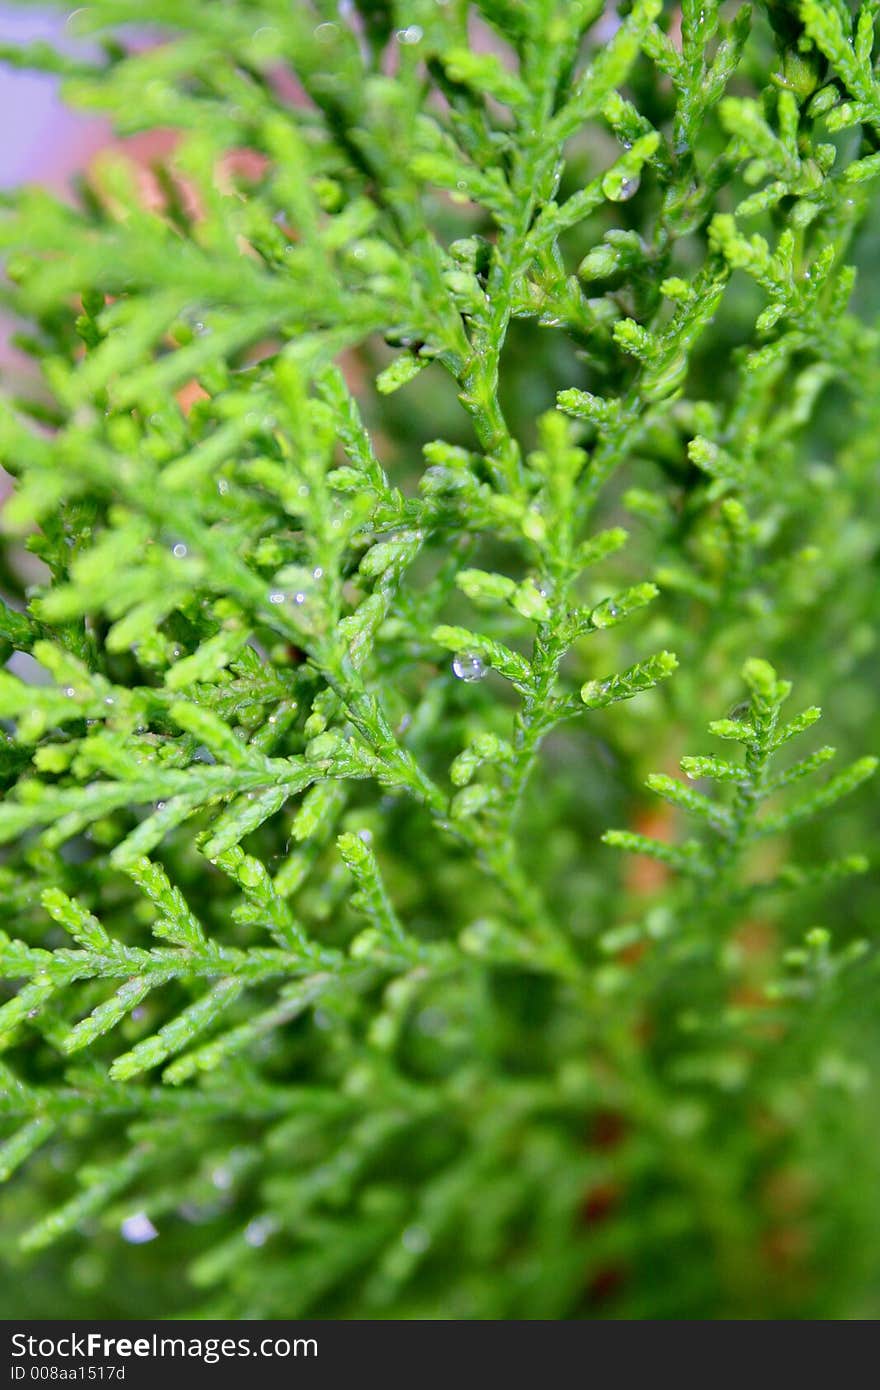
<point>407,462</point>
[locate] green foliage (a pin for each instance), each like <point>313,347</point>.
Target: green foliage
<point>406,476</point>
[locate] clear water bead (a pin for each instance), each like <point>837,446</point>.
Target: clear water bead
<point>415,1240</point>
<point>469,666</point>
<point>138,1229</point>
<point>258,1231</point>
<point>618,187</point>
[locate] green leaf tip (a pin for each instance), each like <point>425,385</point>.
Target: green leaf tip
<point>626,684</point>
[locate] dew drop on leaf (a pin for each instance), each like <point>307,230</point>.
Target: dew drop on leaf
<point>138,1229</point>
<point>415,1240</point>
<point>258,1231</point>
<point>469,666</point>
<point>618,188</point>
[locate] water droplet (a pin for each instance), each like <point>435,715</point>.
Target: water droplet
<point>160,805</point>
<point>613,610</point>
<point>179,551</point>
<point>739,711</point>
<point>317,572</point>
<point>413,33</point>
<point>469,666</point>
<point>366,836</point>
<point>138,1229</point>
<point>258,1231</point>
<point>222,486</point>
<point>69,691</point>
<point>416,1240</point>
<point>276,596</point>
<point>326,33</point>
<point>109,700</point>
<point>618,187</point>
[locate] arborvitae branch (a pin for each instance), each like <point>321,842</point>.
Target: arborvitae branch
<point>417,454</point>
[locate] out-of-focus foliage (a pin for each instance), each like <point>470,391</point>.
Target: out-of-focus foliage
<point>460,421</point>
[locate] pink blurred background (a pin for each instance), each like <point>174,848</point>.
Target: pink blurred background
<point>44,142</point>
